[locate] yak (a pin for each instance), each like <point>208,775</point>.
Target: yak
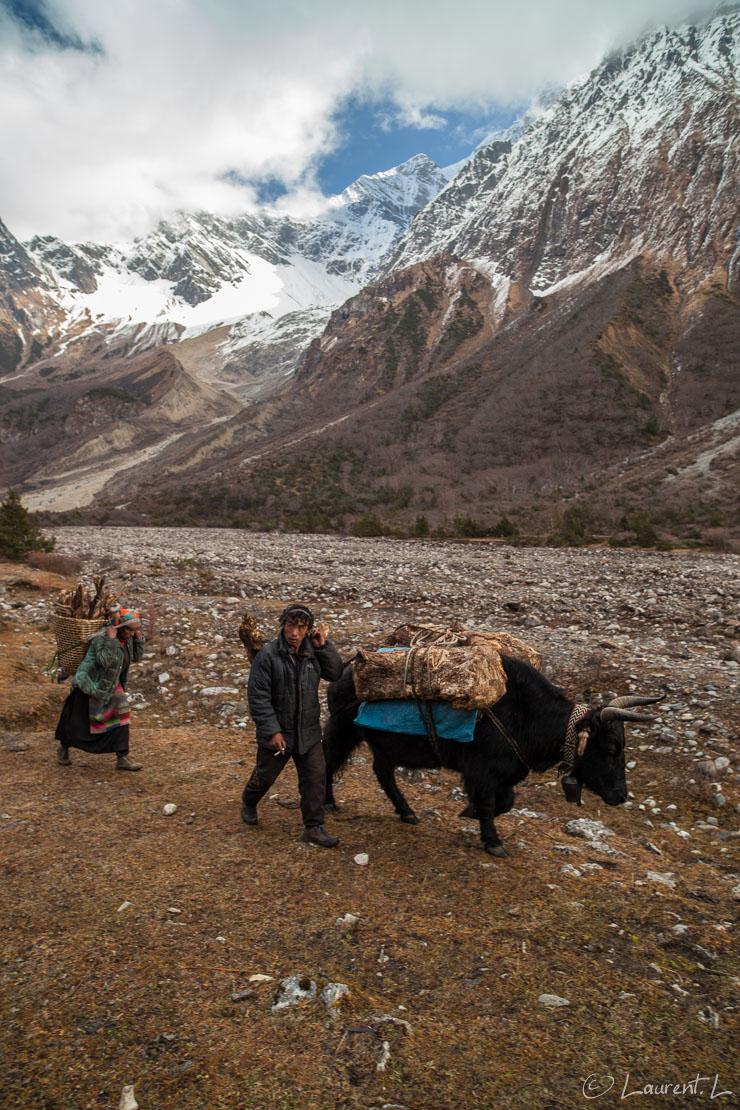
<point>533,727</point>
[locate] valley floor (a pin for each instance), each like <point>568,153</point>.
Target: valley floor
<point>130,939</point>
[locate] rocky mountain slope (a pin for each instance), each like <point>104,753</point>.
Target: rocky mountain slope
<point>639,158</point>
<point>192,275</point>
<point>550,345</point>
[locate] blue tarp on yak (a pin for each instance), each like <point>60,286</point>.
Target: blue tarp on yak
<point>403,715</point>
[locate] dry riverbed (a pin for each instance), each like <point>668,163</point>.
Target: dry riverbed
<point>433,975</point>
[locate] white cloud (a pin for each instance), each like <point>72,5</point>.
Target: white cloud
<point>100,145</point>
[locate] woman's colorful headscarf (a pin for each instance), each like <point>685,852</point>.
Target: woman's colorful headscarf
<point>124,618</point>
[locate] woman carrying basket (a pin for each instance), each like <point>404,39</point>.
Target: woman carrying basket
<point>95,715</point>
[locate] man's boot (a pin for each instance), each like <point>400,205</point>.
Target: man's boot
<point>63,756</point>
<point>249,814</point>
<point>317,834</point>
<point>123,763</point>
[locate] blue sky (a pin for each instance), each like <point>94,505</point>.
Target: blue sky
<point>371,138</point>
<point>120,114</point>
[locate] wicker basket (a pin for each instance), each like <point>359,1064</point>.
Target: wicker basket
<point>71,635</point>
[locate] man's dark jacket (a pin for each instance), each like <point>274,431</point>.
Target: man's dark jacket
<point>284,693</point>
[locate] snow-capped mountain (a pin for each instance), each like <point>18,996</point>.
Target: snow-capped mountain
<point>643,155</point>
<point>560,317</point>
<point>201,272</point>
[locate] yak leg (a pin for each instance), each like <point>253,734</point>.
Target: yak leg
<point>489,836</point>
<point>484,797</point>
<point>504,800</point>
<point>384,768</point>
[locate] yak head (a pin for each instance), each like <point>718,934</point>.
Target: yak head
<point>600,765</point>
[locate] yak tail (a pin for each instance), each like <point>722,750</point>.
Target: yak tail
<point>341,737</point>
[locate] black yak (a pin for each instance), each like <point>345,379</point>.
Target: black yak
<point>533,727</point>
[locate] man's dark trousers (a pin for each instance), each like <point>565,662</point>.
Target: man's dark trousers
<point>311,768</point>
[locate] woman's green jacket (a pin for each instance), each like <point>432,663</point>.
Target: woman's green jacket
<point>100,671</point>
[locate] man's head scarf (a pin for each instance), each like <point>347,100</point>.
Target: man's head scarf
<point>296,612</point>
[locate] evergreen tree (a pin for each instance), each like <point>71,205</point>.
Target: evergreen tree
<point>18,532</point>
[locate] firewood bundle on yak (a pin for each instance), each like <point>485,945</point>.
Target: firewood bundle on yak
<point>532,727</point>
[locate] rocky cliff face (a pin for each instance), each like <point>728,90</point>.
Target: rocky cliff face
<point>640,158</point>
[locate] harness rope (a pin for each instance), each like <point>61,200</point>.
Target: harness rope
<point>577,714</point>
<point>570,744</point>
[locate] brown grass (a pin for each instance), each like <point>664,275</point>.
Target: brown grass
<point>448,940</point>
<point>456,944</point>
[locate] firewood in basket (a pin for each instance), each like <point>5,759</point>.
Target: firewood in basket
<point>99,581</point>
<point>250,636</point>
<point>77,602</point>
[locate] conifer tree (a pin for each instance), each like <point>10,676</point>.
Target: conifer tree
<point>18,532</point>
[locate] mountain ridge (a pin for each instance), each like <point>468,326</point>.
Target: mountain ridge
<point>554,322</point>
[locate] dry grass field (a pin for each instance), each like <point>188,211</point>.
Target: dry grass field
<point>131,939</point>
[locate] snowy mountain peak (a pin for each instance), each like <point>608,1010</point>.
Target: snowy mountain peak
<point>585,184</point>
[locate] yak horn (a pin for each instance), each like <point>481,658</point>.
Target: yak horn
<point>630,701</point>
<point>616,713</point>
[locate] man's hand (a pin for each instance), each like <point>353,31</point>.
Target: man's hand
<point>277,741</point>
<point>111,632</point>
<point>320,634</point>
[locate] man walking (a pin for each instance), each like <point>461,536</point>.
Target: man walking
<point>284,704</point>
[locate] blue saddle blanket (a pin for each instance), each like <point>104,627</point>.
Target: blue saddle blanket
<point>403,715</point>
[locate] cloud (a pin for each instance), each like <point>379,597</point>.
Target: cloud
<point>35,23</point>
<point>113,115</point>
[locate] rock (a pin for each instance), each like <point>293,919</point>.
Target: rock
<point>707,768</point>
<point>333,993</point>
<point>293,991</point>
<point>347,921</point>
<point>719,800</point>
<point>239,996</point>
<point>736,892</point>
<point>169,809</point>
<point>588,829</point>
<point>124,906</point>
<point>362,859</point>
<point>553,1000</point>
<point>259,978</point>
<point>722,763</point>
<point>127,1100</point>
<point>569,869</point>
<point>709,1017</point>
<point>667,878</point>
<point>163,678</point>
<point>217,691</point>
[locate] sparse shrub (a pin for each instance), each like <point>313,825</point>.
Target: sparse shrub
<point>18,531</point>
<point>368,525</point>
<point>504,529</point>
<point>577,527</point>
<point>468,527</point>
<point>54,563</point>
<point>420,526</point>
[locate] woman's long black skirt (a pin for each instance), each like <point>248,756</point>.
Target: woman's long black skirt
<point>73,730</point>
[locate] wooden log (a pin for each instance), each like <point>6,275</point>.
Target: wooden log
<point>469,677</point>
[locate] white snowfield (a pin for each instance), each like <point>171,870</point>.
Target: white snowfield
<point>258,265</point>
